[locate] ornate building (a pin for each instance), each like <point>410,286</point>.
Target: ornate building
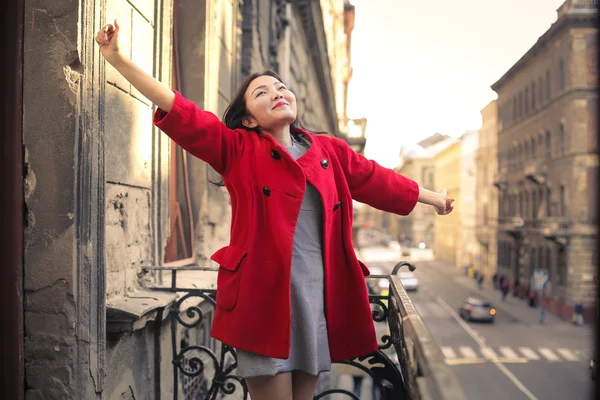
<point>548,162</point>
<point>487,203</point>
<point>112,207</point>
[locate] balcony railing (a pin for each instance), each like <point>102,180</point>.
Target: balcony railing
<point>408,365</point>
<point>535,171</point>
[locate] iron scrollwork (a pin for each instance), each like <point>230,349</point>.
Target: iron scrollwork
<point>217,369</point>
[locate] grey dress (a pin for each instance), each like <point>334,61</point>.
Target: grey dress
<point>309,348</point>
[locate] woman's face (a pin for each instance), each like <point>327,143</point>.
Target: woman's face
<point>269,103</point>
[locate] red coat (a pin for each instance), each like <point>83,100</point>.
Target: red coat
<point>266,186</point>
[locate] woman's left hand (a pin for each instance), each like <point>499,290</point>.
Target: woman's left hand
<point>445,206</point>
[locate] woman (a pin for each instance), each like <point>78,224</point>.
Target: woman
<point>291,295</point>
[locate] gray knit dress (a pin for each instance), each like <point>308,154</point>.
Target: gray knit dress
<point>309,348</point>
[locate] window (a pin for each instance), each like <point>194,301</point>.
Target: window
<point>548,145</point>
<point>561,203</point>
<point>181,237</point>
<point>526,147</point>
<point>533,95</point>
<point>548,86</point>
<point>534,205</point>
<point>541,90</point>
<point>592,177</point>
<point>533,148</point>
<point>526,100</point>
<point>521,209</point>
<point>526,206</point>
<point>514,110</point>
<point>548,202</point>
<point>549,263</point>
<point>520,105</point>
<point>561,265</point>
<point>561,75</point>
<point>561,140</point>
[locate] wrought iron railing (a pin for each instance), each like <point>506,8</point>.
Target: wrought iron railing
<point>408,364</point>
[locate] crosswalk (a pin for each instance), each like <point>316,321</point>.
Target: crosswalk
<point>458,354</point>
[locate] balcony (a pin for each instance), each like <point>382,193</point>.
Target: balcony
<point>535,172</point>
<point>501,181</point>
<point>512,225</point>
<point>555,229</point>
<point>408,365</point>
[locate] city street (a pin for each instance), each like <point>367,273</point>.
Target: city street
<point>513,358</point>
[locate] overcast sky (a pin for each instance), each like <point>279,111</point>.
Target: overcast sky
<point>422,67</point>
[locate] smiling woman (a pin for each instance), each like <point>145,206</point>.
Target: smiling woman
<point>291,295</point>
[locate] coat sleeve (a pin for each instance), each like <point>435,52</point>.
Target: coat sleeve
<point>200,133</point>
<point>372,184</point>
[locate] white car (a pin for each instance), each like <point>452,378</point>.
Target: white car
<point>409,281</point>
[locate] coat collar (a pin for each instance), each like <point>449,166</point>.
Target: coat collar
<point>312,161</point>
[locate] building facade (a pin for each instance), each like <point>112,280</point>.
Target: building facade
<point>448,231</point>
<point>468,250</point>
<point>548,163</point>
<point>111,205</point>
<point>487,204</point>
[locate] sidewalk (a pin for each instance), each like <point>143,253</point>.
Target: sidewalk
<point>518,308</point>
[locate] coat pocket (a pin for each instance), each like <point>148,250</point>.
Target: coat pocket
<point>230,259</point>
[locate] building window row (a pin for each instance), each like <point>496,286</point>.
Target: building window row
<point>514,158</point>
<point>532,204</point>
<point>532,96</point>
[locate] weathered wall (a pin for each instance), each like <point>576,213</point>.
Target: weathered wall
<point>50,100</point>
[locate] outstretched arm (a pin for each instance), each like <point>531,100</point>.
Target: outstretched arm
<point>384,188</point>
<point>199,132</point>
<point>439,200</point>
<point>155,91</point>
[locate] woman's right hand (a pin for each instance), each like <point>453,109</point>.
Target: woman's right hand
<point>108,40</point>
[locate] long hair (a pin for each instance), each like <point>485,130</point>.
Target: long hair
<point>237,111</point>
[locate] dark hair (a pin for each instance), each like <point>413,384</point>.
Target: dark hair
<point>236,111</point>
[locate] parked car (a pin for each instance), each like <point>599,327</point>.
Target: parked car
<point>409,281</point>
<point>475,309</point>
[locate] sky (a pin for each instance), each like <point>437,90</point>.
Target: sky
<point>421,67</point>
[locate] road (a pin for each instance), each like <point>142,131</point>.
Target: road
<point>514,358</point>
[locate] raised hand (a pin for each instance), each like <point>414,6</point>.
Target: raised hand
<point>446,206</point>
<point>108,40</point>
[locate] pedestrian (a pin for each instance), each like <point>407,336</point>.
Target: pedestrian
<point>291,294</point>
<point>505,288</point>
<point>495,280</point>
<point>480,280</point>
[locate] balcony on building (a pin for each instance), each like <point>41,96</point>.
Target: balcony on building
<point>535,171</point>
<point>512,226</point>
<point>501,181</point>
<point>408,364</point>
<point>555,229</point>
